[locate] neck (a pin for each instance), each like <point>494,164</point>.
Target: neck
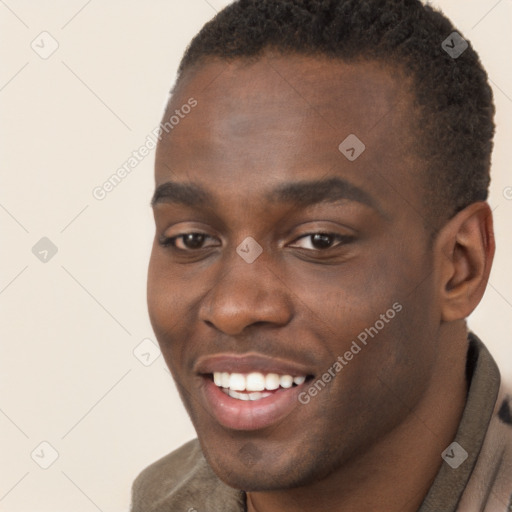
<point>410,454</point>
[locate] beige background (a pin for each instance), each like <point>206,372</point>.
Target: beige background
<point>68,374</point>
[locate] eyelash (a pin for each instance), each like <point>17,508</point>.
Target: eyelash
<point>167,242</point>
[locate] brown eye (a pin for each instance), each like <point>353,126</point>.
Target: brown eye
<point>186,241</point>
<point>320,241</point>
<point>191,240</point>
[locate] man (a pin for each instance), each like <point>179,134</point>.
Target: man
<point>322,233</point>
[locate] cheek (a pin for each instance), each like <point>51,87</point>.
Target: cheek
<point>343,300</point>
<point>383,306</point>
<point>157,296</point>
<point>169,294</point>
<point>398,356</point>
<point>166,307</point>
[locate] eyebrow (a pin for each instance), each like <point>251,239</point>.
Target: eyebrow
<point>300,193</point>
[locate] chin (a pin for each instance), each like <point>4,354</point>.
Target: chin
<point>253,480</point>
<point>250,470</point>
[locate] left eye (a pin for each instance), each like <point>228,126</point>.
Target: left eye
<point>320,241</point>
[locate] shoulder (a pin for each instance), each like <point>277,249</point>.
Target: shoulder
<point>169,471</point>
<point>491,482</point>
<point>184,480</point>
<point>497,451</point>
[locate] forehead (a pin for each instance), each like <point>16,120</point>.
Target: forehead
<point>284,117</point>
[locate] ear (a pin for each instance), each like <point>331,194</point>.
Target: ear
<point>464,251</point>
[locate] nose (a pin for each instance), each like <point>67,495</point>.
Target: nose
<point>246,294</point>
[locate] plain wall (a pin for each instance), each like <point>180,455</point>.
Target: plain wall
<point>68,374</point>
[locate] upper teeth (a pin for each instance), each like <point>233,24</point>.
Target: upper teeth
<point>255,381</point>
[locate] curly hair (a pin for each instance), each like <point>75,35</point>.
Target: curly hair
<point>455,121</point>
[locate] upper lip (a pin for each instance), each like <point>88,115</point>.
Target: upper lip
<point>246,363</point>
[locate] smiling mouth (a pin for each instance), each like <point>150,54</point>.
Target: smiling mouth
<point>255,385</point>
<point>251,401</point>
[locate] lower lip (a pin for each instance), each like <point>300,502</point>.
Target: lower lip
<point>250,414</point>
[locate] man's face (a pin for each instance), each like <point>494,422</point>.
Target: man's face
<point>261,144</point>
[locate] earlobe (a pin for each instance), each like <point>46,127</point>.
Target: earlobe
<point>465,250</point>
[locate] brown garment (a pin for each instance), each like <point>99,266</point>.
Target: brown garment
<point>183,481</point>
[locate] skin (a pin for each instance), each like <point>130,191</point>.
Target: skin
<point>391,412</point>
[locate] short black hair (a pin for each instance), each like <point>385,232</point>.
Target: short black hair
<point>455,127</point>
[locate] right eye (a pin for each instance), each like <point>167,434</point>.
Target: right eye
<point>186,241</point>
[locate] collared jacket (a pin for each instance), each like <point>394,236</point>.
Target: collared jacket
<point>480,481</point>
